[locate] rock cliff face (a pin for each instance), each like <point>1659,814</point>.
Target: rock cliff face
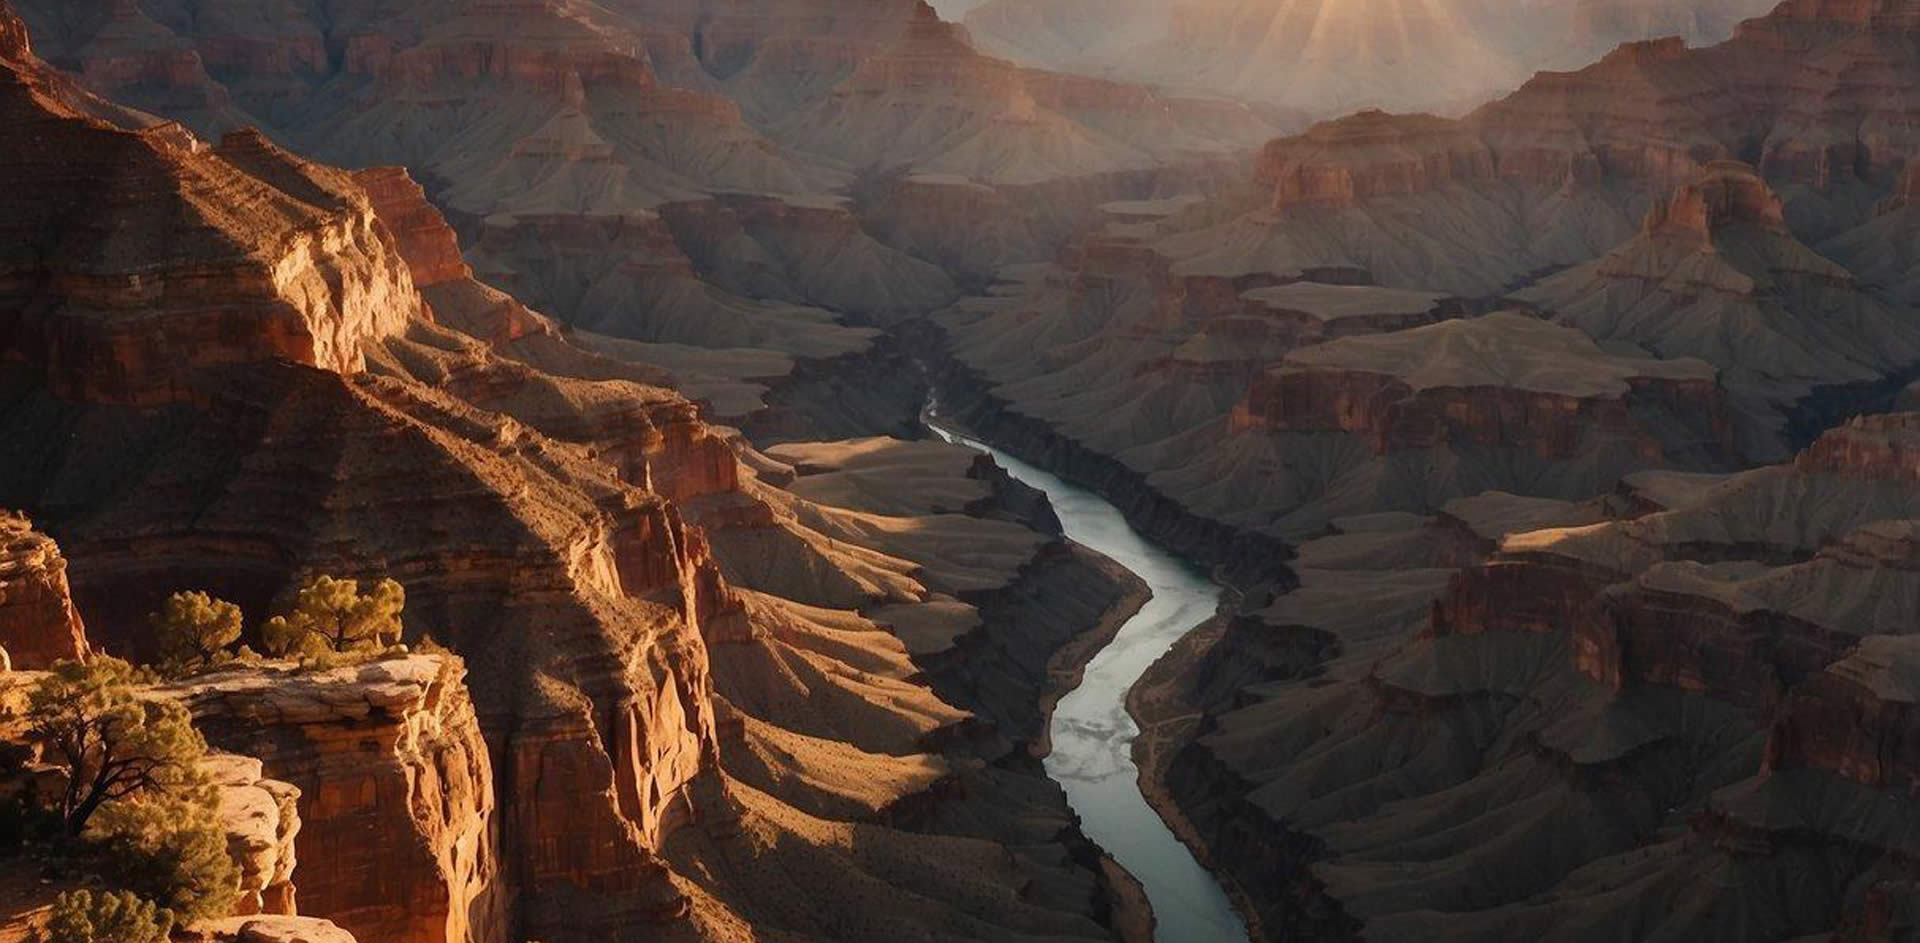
<point>1371,154</point>
<point>262,818</point>
<point>260,815</point>
<point>1805,93</point>
<point>38,624</point>
<point>675,174</point>
<point>1855,719</point>
<point>1501,381</point>
<point>397,820</point>
<point>229,254</point>
<point>1724,195</point>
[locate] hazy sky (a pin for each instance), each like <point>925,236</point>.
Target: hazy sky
<point>954,9</point>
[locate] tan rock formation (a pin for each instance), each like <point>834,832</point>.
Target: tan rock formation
<point>397,821</point>
<point>227,255</point>
<point>1368,155</point>
<point>274,929</point>
<point>262,819</point>
<point>421,234</point>
<point>1726,193</point>
<point>38,623</point>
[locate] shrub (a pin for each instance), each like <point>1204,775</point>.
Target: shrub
<point>112,745</point>
<point>332,616</point>
<point>170,849</point>
<point>135,809</point>
<point>106,917</point>
<point>195,631</point>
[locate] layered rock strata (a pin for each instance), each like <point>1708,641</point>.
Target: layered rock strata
<point>398,818</point>
<point>673,175</point>
<point>278,259</point>
<point>1502,381</point>
<point>1694,666</point>
<point>1785,322</point>
<point>38,623</point>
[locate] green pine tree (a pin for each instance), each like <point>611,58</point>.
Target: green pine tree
<point>112,744</point>
<point>195,631</point>
<point>106,917</point>
<point>331,615</point>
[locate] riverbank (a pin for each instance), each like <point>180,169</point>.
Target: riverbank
<point>1238,558</point>
<point>1092,731</point>
<point>1068,667</point>
<point>1167,724</point>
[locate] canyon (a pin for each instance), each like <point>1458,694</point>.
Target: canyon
<point>1493,523</point>
<point>670,686</point>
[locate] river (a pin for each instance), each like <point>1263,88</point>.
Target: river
<point>1093,734</point>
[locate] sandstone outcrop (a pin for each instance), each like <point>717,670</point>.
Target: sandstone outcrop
<point>397,831</point>
<point>224,255</point>
<point>274,929</point>
<point>259,815</point>
<point>1369,155</point>
<point>38,623</point>
<point>262,819</point>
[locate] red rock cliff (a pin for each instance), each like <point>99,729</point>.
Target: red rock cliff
<point>1859,719</point>
<point>398,839</point>
<point>1505,380</point>
<point>38,624</point>
<point>1371,154</point>
<point>143,256</point>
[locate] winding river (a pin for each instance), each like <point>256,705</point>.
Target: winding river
<point>1093,734</point>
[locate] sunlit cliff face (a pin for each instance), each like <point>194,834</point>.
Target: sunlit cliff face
<point>1330,56</point>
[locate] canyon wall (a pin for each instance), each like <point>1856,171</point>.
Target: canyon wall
<point>38,623</point>
<point>398,837</point>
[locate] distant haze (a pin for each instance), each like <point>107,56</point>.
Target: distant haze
<point>1332,56</point>
<point>955,9</point>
